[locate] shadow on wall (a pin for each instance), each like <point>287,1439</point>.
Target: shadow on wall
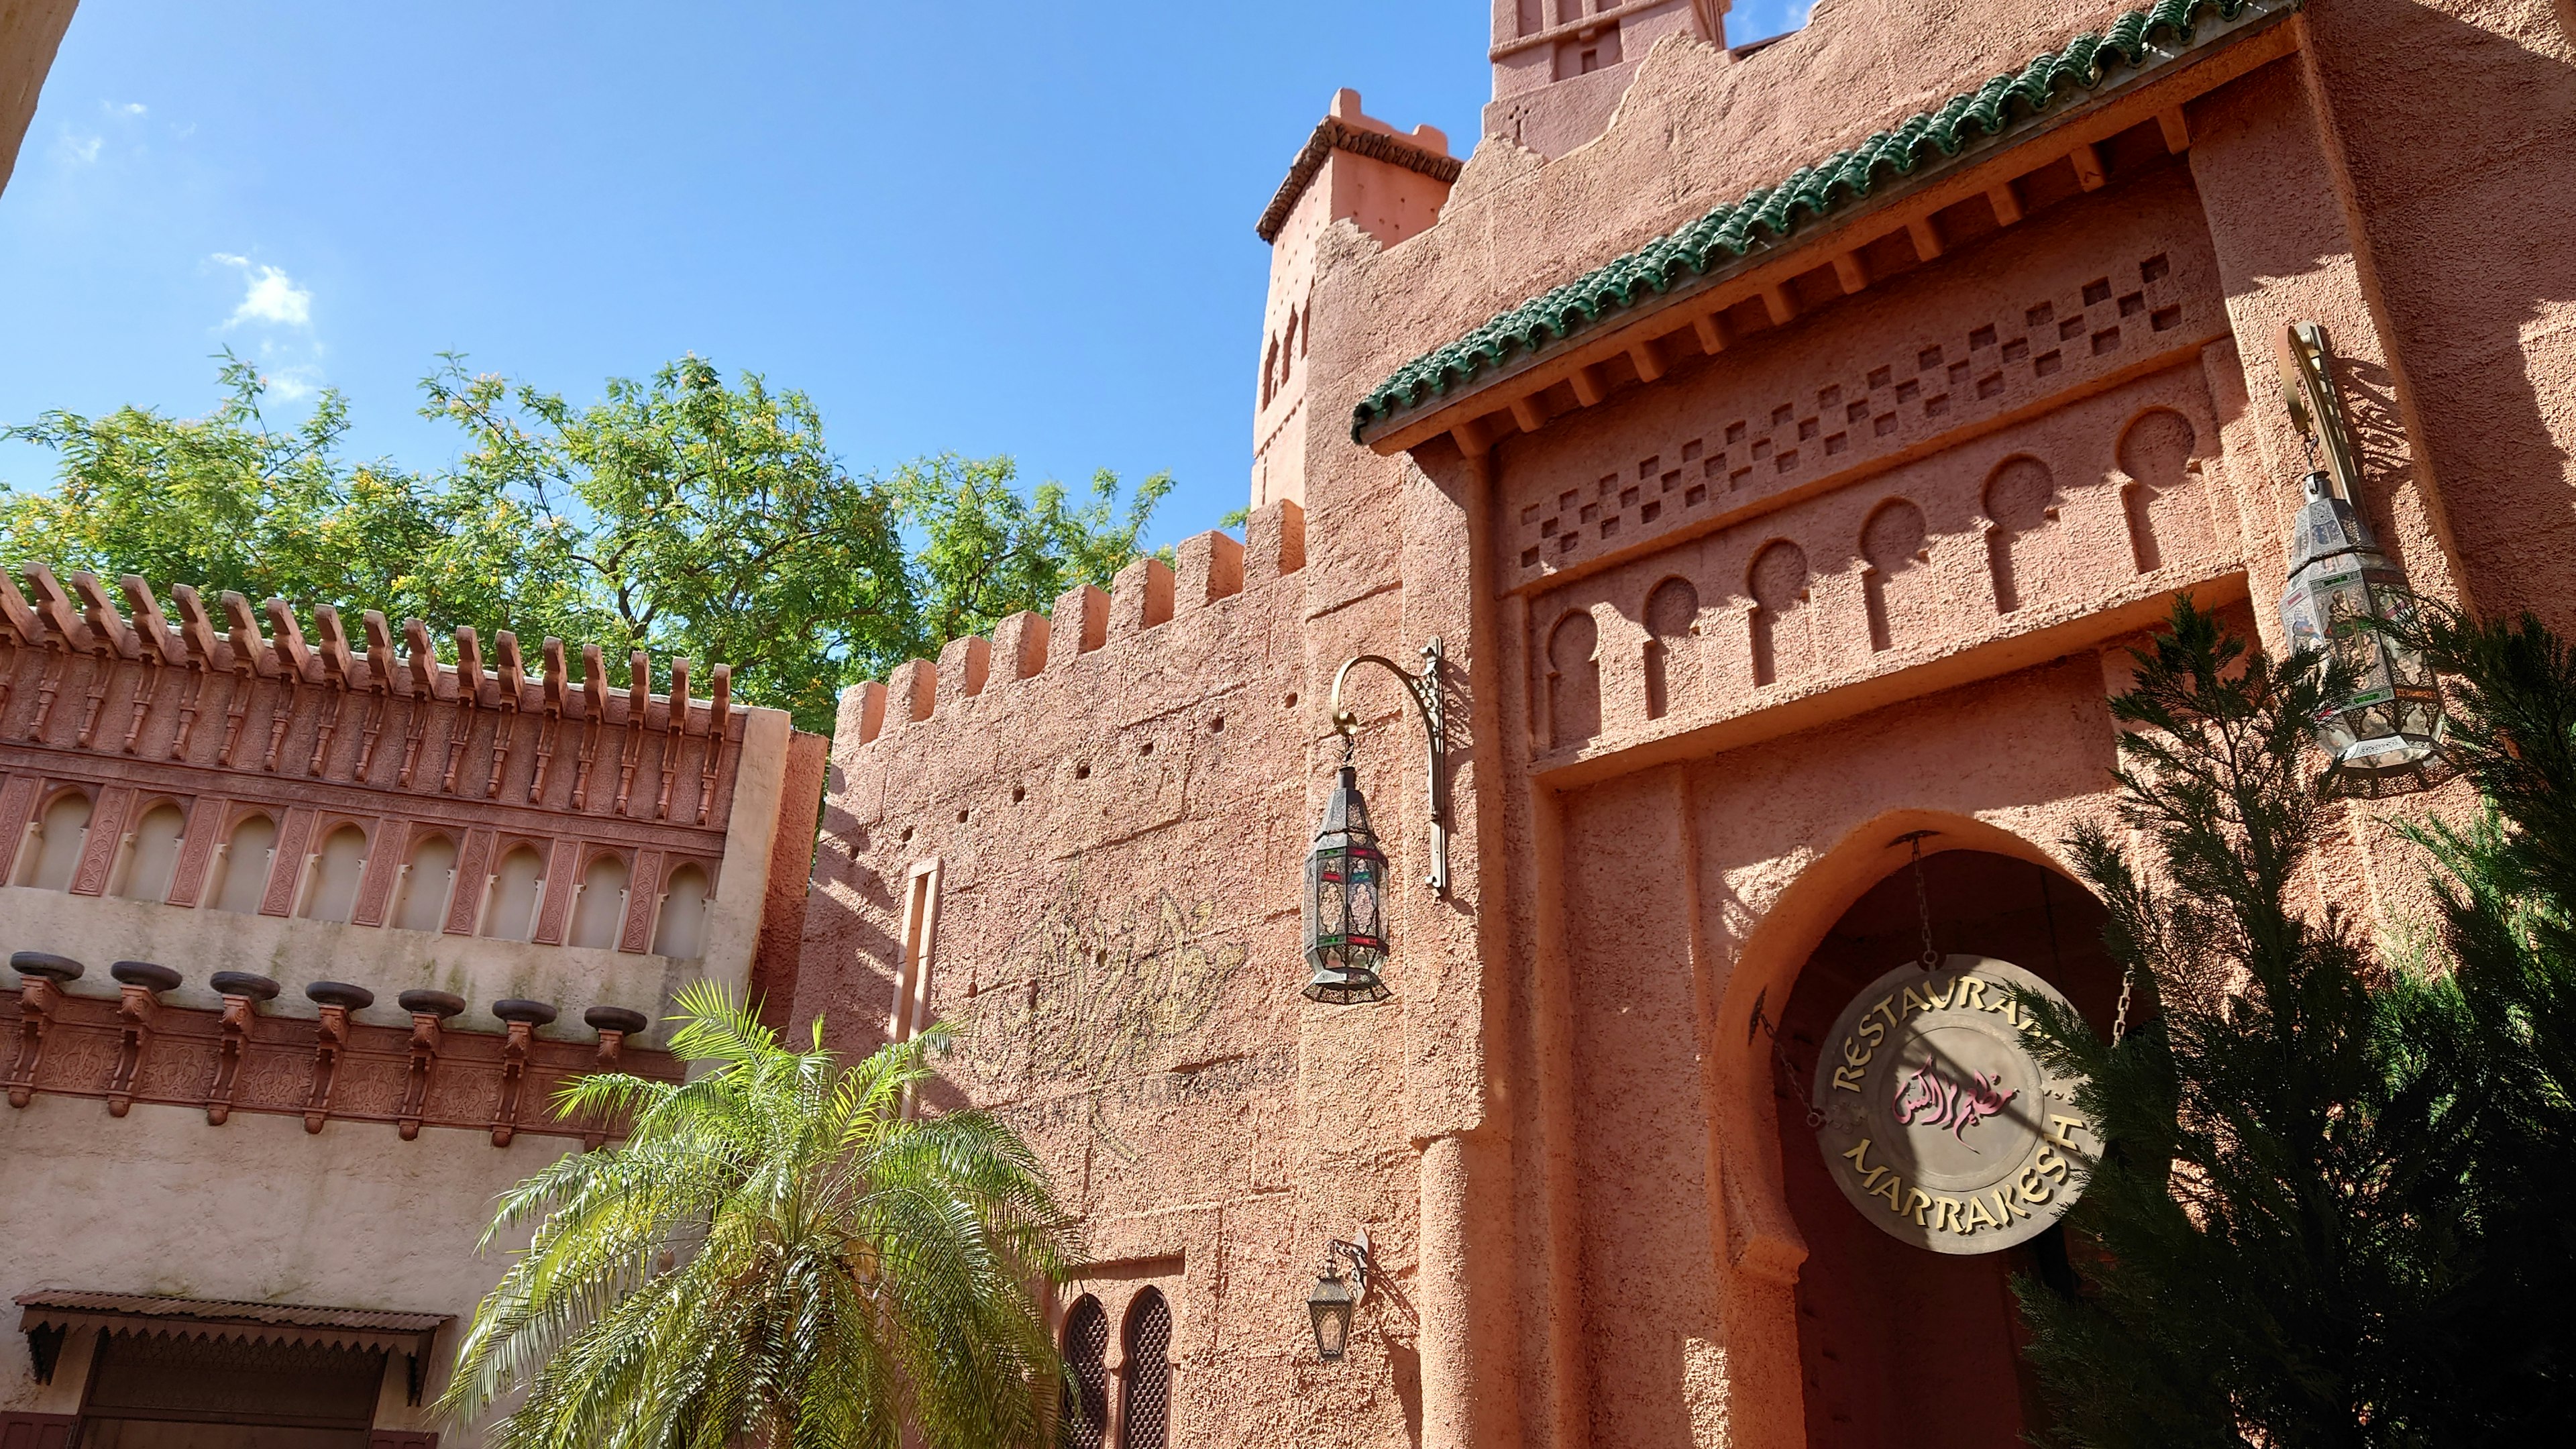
<point>2476,280</point>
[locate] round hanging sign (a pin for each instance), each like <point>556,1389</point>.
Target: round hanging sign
<point>1940,1123</point>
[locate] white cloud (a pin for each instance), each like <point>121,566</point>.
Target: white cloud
<point>130,108</point>
<point>79,150</point>
<point>271,296</point>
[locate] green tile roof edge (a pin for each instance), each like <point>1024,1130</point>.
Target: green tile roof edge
<point>1764,217</point>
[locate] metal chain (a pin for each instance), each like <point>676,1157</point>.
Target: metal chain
<point>2120,1018</point>
<point>1788,1068</point>
<point>1923,908</point>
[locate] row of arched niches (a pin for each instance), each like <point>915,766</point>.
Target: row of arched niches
<point>446,881</point>
<point>1124,1403</point>
<point>2060,516</point>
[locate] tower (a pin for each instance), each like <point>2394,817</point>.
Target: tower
<point>1560,66</point>
<point>1391,185</point>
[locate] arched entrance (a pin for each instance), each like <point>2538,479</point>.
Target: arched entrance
<point>1897,1344</point>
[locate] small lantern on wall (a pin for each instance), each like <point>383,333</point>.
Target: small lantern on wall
<point>1333,1299</point>
<point>1345,901</point>
<point>2343,594</point>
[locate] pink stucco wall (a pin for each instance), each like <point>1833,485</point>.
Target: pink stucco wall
<point>1719,626</point>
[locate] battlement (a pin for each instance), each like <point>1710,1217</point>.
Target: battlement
<point>229,640</point>
<point>1146,594</point>
<point>230,790</point>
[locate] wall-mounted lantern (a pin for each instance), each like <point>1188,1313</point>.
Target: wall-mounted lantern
<point>1333,1299</point>
<point>1345,905</point>
<point>2386,736</point>
<point>1345,901</point>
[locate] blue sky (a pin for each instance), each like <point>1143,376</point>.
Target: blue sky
<point>1014,227</point>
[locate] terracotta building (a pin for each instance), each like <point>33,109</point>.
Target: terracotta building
<point>1783,444</point>
<point>1763,455</point>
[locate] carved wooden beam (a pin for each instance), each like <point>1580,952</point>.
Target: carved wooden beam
<point>524,1018</point>
<point>40,977</point>
<point>330,1041</point>
<point>139,988</point>
<point>429,1009</point>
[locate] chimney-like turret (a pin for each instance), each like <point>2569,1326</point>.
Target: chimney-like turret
<point>1391,184</point>
<point>1560,66</point>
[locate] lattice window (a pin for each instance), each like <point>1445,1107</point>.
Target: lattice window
<point>1146,1417</point>
<point>1086,1376</point>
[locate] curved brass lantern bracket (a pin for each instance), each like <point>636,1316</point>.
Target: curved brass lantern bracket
<point>2315,407</point>
<point>1423,690</point>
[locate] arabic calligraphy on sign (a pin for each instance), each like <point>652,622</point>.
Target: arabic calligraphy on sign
<point>1940,1123</point>
<point>1930,1098</point>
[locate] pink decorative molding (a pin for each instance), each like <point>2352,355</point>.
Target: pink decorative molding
<point>286,872</point>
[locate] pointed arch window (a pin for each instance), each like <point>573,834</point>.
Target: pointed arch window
<point>1085,1420</point>
<point>1145,1399</point>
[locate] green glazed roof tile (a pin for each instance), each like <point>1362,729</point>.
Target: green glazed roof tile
<point>1766,215</point>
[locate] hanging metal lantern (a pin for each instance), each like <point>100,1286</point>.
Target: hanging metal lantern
<point>2385,736</point>
<point>2343,596</point>
<point>1345,902</point>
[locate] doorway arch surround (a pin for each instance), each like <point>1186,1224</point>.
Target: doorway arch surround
<point>1766,1252</point>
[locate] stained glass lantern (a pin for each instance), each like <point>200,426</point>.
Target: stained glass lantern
<point>1345,902</point>
<point>1329,1303</point>
<point>2386,736</point>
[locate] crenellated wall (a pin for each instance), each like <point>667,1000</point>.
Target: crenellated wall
<point>1078,841</point>
<point>211,787</point>
<point>258,869</point>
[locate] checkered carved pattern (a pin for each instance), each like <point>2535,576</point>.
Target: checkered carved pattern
<point>1086,1376</point>
<point>1146,1423</point>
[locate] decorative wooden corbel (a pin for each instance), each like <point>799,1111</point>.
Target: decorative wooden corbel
<point>380,682</point>
<point>340,668</point>
<point>197,634</point>
<point>673,723</point>
<point>524,1018</point>
<point>614,1025</point>
<point>242,993</point>
<point>293,664</point>
<point>245,641</point>
<point>159,647</point>
<point>40,976</point>
<point>719,707</point>
<point>111,639</point>
<point>505,657</point>
<point>422,662</point>
<point>139,988</point>
<point>551,653</point>
<point>594,694</point>
<point>428,1009</point>
<point>469,693</point>
<point>639,700</point>
<point>63,636</point>
<point>337,999</point>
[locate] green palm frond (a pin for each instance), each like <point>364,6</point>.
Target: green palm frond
<point>778,1249</point>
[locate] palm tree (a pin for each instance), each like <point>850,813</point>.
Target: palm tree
<point>778,1254</point>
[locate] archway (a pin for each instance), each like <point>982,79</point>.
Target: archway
<point>1897,1344</point>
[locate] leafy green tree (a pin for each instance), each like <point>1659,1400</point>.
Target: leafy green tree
<point>776,1251</point>
<point>234,501</point>
<point>684,515</point>
<point>2508,907</point>
<point>2293,1218</point>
